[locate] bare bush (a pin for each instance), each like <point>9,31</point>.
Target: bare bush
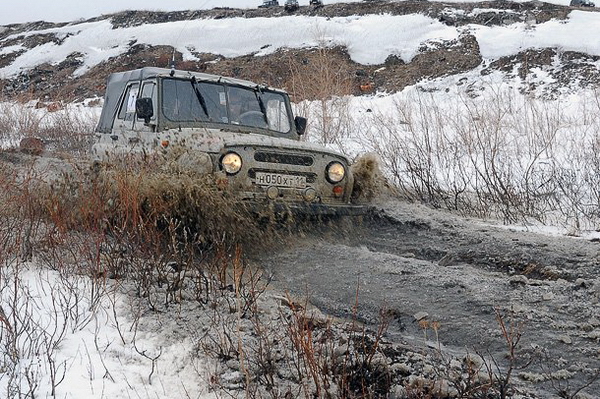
<point>294,350</point>
<point>66,128</point>
<point>18,120</point>
<point>39,306</point>
<point>504,155</point>
<point>324,86</point>
<point>70,129</point>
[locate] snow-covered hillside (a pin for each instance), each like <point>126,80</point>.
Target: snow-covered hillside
<point>370,39</point>
<point>371,33</point>
<point>69,10</point>
<point>439,91</point>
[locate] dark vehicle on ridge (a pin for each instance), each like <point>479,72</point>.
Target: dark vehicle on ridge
<point>582,3</point>
<point>291,5</point>
<point>269,3</point>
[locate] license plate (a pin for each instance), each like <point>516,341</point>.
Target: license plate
<point>276,179</point>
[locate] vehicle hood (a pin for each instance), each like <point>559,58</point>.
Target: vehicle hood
<point>217,139</point>
<point>236,139</point>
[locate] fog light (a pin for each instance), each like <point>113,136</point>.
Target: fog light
<point>338,191</point>
<point>272,192</point>
<point>309,194</point>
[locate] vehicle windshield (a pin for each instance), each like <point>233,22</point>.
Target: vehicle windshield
<point>191,101</point>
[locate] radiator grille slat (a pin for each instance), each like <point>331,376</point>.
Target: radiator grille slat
<point>281,158</point>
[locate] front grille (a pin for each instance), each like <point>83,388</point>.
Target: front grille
<point>310,177</point>
<point>287,159</point>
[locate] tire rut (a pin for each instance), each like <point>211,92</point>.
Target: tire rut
<point>408,259</point>
<point>488,248</point>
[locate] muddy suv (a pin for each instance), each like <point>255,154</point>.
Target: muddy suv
<point>238,131</point>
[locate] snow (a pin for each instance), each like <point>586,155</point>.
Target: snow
<point>101,353</point>
<point>370,39</point>
<point>577,33</point>
<point>240,36</point>
<point>104,350</point>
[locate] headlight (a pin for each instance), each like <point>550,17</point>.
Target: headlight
<point>335,172</point>
<point>231,163</point>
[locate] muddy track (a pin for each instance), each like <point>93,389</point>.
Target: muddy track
<point>485,247</point>
<point>409,259</point>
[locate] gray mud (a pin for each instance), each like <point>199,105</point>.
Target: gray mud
<point>410,260</point>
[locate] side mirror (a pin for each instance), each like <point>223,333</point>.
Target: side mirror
<point>144,109</point>
<point>300,123</point>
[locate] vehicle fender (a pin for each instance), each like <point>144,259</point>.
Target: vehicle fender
<point>197,162</point>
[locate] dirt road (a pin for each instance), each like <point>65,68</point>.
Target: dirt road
<point>420,264</point>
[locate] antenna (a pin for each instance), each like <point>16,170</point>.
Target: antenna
<point>178,37</point>
<point>173,63</point>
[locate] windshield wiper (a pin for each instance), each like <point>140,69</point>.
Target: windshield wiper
<point>261,104</point>
<point>199,96</point>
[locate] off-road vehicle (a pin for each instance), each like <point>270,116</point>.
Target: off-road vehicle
<point>291,5</point>
<point>582,3</point>
<point>238,131</point>
<point>269,3</point>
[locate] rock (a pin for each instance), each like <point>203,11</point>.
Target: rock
<point>548,296</point>
<point>444,389</point>
<point>532,377</point>
<point>455,365</point>
<point>518,279</point>
<point>31,146</point>
<point>595,335</point>
<point>232,379</point>
<point>420,316</point>
<point>340,351</point>
<point>401,368</point>
<point>565,339</point>
<point>473,361</point>
<point>581,283</point>
<point>398,392</point>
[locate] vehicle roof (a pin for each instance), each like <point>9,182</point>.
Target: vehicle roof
<point>116,83</point>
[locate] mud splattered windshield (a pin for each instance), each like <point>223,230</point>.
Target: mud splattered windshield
<point>189,101</point>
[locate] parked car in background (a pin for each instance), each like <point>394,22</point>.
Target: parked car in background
<point>269,3</point>
<point>582,3</point>
<point>291,5</point>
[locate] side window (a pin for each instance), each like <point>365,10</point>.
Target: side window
<point>127,110</point>
<point>149,91</point>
